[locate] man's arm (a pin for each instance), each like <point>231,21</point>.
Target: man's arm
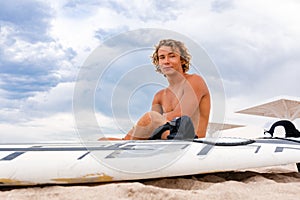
<point>156,103</point>
<point>204,115</point>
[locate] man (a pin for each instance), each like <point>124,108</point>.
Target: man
<point>186,94</point>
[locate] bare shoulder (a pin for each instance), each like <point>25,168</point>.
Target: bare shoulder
<point>194,77</point>
<point>158,96</point>
<point>196,80</point>
<point>160,92</point>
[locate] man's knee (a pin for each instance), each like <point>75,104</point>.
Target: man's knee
<point>151,118</point>
<point>146,125</point>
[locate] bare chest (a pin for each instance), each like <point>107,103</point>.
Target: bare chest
<point>171,98</point>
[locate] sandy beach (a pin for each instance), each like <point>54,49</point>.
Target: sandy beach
<point>279,182</point>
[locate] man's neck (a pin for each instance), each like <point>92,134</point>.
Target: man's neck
<point>176,79</point>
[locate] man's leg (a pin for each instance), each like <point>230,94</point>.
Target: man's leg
<point>145,126</point>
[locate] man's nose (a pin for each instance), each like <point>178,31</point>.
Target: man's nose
<point>166,60</point>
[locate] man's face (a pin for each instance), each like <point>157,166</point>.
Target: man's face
<point>169,60</point>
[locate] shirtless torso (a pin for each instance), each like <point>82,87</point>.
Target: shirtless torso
<point>191,98</point>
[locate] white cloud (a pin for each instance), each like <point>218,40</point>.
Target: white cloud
<point>28,67</point>
<point>42,104</point>
<point>55,127</point>
<point>57,99</point>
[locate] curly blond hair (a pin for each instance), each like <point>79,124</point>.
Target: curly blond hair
<point>175,45</point>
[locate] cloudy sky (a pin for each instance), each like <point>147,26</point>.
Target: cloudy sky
<point>44,45</point>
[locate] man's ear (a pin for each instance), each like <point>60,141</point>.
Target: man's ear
<point>183,62</point>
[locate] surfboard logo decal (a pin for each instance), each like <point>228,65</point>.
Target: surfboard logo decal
<point>83,155</point>
<point>280,149</point>
<point>205,150</point>
<point>12,156</point>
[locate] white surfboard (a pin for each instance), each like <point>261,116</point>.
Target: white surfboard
<point>108,161</point>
